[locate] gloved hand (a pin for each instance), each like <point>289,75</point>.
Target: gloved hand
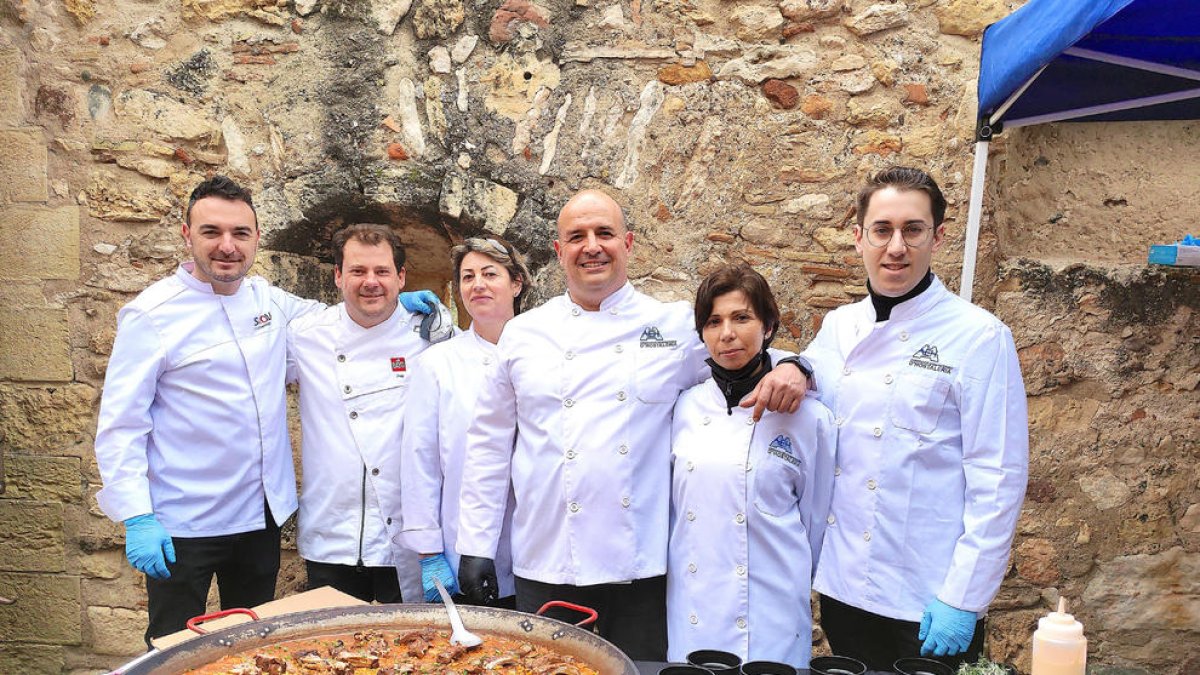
<point>477,578</point>
<point>148,546</point>
<point>945,630</point>
<point>437,567</point>
<point>421,302</point>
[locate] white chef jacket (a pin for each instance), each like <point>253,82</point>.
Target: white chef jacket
<point>193,419</point>
<point>354,382</point>
<point>933,450</point>
<point>592,394</point>
<point>748,509</point>
<point>448,377</point>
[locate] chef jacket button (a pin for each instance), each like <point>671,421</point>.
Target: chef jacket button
<point>740,518</point>
<point>840,421</point>
<point>570,355</point>
<point>904,336</point>
<point>624,449</point>
<point>831,519</point>
<point>866,536</point>
<point>749,467</point>
<point>749,420</point>
<point>346,389</point>
<point>341,358</point>
<point>574,507</point>
<point>741,570</point>
<point>692,567</point>
<point>574,311</point>
<point>706,420</point>
<point>568,402</point>
<point>877,431</point>
<point>487,360</point>
<point>846,371</point>
<point>389,521</point>
<point>837,470</point>
<point>620,396</point>
<point>618,349</point>
<point>741,622</point>
<point>571,453</point>
<point>625,502</point>
<point>613,311</point>
<point>690,466</point>
<point>887,379</point>
<point>691,516</point>
<point>353,415</point>
<point>871,484</point>
<point>375,471</point>
<point>693,619</point>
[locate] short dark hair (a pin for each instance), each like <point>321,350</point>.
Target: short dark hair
<point>502,252</point>
<point>223,187</point>
<point>370,234</point>
<point>903,178</point>
<point>739,277</point>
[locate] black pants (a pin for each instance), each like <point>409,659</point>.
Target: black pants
<point>878,641</point>
<point>633,616</point>
<point>245,565</point>
<point>380,584</point>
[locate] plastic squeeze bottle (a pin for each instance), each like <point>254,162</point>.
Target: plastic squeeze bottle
<point>1059,647</point>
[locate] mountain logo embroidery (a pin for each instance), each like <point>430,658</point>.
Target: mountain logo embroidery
<point>652,338</point>
<point>262,321</point>
<point>781,447</point>
<point>927,358</point>
<point>398,365</point>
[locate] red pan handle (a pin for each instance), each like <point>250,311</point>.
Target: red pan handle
<point>591,618</point>
<point>193,623</point>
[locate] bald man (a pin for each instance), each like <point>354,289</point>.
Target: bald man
<point>576,417</point>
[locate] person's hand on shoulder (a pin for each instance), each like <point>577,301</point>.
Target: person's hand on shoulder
<point>781,390</point>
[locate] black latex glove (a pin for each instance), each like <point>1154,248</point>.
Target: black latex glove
<point>477,579</point>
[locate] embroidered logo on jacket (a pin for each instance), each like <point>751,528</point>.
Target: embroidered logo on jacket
<point>262,321</point>
<point>398,365</point>
<point>652,339</point>
<point>781,447</point>
<point>927,358</point>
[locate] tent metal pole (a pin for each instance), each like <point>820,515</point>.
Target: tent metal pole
<point>1139,64</point>
<point>1014,96</point>
<point>974,217</point>
<point>1130,104</point>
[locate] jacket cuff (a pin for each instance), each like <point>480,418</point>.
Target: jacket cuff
<point>125,499</point>
<point>422,541</point>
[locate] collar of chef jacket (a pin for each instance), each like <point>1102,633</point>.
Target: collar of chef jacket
<point>608,304</point>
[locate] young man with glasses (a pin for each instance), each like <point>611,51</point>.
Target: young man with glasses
<point>932,449</point>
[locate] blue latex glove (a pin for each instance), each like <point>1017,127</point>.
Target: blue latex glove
<point>1189,240</point>
<point>437,567</point>
<point>421,302</point>
<point>945,630</point>
<point>148,546</point>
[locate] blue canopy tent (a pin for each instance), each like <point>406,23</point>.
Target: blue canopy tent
<point>1082,61</point>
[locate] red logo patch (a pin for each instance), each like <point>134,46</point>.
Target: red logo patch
<point>398,364</point>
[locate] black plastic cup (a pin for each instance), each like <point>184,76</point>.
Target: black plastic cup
<point>767,668</point>
<point>917,666</point>
<point>836,665</point>
<point>719,662</point>
<point>683,669</point>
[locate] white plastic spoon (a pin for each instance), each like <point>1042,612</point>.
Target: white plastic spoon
<point>460,635</point>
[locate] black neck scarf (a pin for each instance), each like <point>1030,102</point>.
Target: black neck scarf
<point>884,304</point>
<point>735,384</point>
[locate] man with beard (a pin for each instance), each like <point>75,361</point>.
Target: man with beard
<point>192,439</point>
<point>353,362</point>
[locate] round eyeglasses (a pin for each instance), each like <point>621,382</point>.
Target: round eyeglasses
<point>882,235</point>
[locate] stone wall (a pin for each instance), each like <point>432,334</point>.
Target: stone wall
<point>729,130</point>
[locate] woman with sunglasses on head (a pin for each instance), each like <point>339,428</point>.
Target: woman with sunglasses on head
<point>748,500</point>
<point>490,279</point>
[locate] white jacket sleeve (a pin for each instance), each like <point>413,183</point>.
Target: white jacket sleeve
<point>123,431</point>
<point>995,438</point>
<point>818,489</point>
<point>421,463</point>
<point>487,471</point>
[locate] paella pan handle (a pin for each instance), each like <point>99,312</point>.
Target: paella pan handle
<point>592,615</point>
<point>193,623</point>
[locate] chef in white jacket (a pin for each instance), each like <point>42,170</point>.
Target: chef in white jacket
<point>748,500</point>
<point>586,384</point>
<point>354,362</point>
<point>192,440</point>
<point>491,280</point>
<point>932,447</point>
